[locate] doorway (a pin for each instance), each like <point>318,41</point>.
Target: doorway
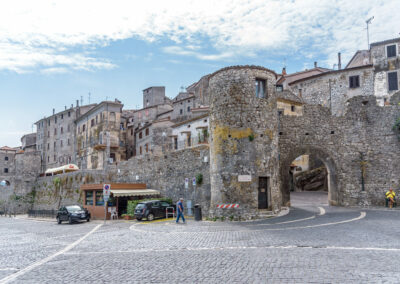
<point>309,173</point>
<point>263,189</point>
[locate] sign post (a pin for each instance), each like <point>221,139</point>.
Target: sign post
<point>194,190</point>
<point>106,196</point>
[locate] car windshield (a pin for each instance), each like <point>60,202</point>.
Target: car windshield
<point>74,208</point>
<point>140,206</point>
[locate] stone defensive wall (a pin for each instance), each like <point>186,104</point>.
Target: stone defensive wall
<point>165,173</point>
<point>359,149</point>
<point>251,147</point>
<point>253,144</point>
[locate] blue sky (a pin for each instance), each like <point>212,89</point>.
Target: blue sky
<point>54,52</point>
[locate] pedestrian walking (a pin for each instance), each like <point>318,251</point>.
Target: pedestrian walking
<point>179,209</point>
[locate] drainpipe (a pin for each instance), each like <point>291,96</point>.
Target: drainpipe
<point>330,95</point>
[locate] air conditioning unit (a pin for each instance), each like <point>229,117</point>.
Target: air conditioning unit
<point>110,160</point>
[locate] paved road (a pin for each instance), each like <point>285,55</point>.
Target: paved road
<point>314,243</point>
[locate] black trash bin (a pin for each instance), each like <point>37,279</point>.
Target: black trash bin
<point>197,212</point>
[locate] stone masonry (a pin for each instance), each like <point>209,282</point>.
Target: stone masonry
<point>252,142</point>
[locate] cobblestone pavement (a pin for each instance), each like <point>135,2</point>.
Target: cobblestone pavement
<point>314,243</point>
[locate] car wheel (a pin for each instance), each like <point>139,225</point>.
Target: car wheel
<point>70,220</point>
<point>88,220</point>
<point>58,220</point>
<point>150,217</point>
<point>139,219</point>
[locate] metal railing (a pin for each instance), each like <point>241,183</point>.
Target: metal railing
<point>42,213</point>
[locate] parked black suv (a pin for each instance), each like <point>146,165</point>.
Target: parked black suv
<point>72,213</point>
<point>152,209</point>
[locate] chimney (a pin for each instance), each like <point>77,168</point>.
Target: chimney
<point>54,111</point>
<point>72,105</point>
<point>339,61</point>
<point>284,71</point>
<point>65,107</point>
<point>315,64</point>
<point>77,103</point>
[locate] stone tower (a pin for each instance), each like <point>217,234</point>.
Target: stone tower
<point>244,144</point>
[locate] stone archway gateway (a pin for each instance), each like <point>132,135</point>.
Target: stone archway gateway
<point>253,134</point>
<point>319,153</point>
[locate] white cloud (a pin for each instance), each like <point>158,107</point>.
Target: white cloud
<point>46,34</point>
<point>177,50</point>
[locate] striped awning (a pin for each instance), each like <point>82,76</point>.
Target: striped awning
<point>134,192</point>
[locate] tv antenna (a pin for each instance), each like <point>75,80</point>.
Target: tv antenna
<point>368,22</point>
<point>89,97</point>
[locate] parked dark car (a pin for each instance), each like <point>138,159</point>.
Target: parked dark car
<point>152,209</point>
<point>72,213</point>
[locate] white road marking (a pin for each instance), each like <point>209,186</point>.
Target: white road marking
<point>321,211</point>
<point>362,215</point>
<point>236,248</point>
<point>286,222</point>
<point>14,276</point>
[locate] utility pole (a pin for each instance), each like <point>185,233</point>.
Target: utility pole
<point>368,22</point>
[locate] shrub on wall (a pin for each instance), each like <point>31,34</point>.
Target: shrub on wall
<point>199,179</point>
<point>396,128</point>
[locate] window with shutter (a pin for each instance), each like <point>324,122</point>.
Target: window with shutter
<point>391,50</point>
<point>393,82</point>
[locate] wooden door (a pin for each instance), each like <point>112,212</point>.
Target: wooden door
<point>263,192</point>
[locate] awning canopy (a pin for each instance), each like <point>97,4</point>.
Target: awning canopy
<point>62,169</point>
<point>134,192</point>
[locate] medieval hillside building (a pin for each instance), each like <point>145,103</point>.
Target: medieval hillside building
<point>242,129</point>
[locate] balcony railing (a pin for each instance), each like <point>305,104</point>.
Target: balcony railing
<point>188,143</point>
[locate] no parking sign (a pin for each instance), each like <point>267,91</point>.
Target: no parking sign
<point>106,191</point>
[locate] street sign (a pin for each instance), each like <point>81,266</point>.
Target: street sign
<point>186,183</point>
<point>194,181</point>
<point>106,190</point>
<point>106,196</point>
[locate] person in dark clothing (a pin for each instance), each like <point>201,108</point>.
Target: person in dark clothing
<point>179,209</point>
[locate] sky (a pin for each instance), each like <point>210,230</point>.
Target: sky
<point>53,53</point>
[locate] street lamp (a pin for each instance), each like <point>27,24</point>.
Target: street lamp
<point>368,22</point>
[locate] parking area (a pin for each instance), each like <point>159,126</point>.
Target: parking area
<point>313,243</point>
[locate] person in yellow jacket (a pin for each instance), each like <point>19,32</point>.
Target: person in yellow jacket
<point>390,196</point>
